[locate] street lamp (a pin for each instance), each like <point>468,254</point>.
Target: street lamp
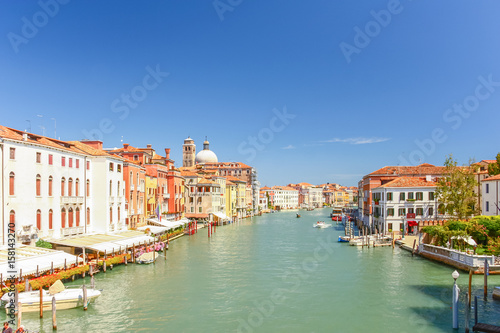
<point>456,292</point>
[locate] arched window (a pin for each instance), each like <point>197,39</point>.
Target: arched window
<point>70,217</point>
<point>118,189</point>
<point>50,219</point>
<point>88,188</point>
<point>441,209</point>
<point>63,218</point>
<point>12,220</point>
<point>63,183</point>
<point>70,187</point>
<point>110,188</point>
<point>50,186</point>
<point>12,177</point>
<point>77,216</point>
<point>77,187</point>
<point>39,219</point>
<point>38,184</point>
<point>110,214</point>
<point>88,216</point>
<point>131,178</point>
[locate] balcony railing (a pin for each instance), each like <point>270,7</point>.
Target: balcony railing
<point>471,260</point>
<point>72,231</point>
<point>132,187</point>
<point>71,200</point>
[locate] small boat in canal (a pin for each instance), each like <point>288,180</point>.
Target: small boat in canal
<point>344,239</point>
<point>322,225</point>
<point>66,298</point>
<point>147,258</point>
<point>298,215</point>
<point>496,293</point>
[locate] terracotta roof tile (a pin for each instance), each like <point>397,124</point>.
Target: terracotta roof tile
<point>409,182</point>
<point>497,177</point>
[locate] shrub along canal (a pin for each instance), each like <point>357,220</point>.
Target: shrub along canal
<point>274,273</point>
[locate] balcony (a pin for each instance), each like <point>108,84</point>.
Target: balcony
<point>72,231</point>
<point>132,187</point>
<point>71,200</point>
<point>111,200</point>
<point>111,227</point>
<point>166,195</point>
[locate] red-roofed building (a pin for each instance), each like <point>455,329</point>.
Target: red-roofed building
<point>383,176</point>
<point>491,195</point>
<point>402,203</point>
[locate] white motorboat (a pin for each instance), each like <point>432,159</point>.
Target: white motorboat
<point>496,293</point>
<point>321,225</point>
<point>147,258</point>
<point>66,298</point>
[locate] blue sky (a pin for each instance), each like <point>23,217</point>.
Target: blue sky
<point>323,91</point>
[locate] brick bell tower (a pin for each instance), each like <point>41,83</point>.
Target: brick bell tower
<point>188,152</point>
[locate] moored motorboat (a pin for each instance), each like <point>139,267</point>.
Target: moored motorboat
<point>66,298</point>
<point>496,293</point>
<point>344,239</point>
<point>298,215</point>
<point>147,258</point>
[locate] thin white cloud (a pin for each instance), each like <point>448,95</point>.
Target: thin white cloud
<point>357,141</point>
<point>289,147</point>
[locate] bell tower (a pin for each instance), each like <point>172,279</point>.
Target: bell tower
<point>188,152</point>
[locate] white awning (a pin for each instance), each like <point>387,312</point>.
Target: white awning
<point>154,229</point>
<point>118,245</point>
<point>28,258</point>
<point>168,224</point>
<point>106,242</point>
<point>221,216</point>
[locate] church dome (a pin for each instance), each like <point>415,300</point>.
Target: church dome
<point>206,155</point>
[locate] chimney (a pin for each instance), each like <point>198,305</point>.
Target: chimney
<point>167,153</point>
<point>93,143</point>
<point>149,146</point>
<point>125,146</point>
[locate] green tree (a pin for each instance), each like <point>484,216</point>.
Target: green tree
<point>456,189</point>
<point>494,168</point>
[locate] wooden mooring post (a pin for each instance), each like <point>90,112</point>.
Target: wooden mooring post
<point>469,294</point>
<point>54,319</point>
<point>85,303</point>
<point>413,250</point>
<point>486,273</point>
<point>19,313</point>
<point>41,302</point>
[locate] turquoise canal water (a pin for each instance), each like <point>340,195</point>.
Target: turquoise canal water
<point>274,273</point>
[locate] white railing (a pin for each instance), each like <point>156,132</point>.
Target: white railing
<point>132,187</point>
<point>71,200</point>
<point>72,231</point>
<point>111,227</point>
<point>471,260</point>
<point>111,200</point>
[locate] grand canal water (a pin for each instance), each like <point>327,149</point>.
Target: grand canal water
<point>274,273</point>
